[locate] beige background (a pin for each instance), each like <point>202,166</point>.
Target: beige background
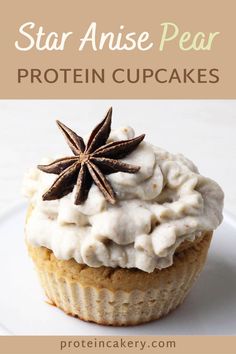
<point>207,16</point>
<point>184,345</point>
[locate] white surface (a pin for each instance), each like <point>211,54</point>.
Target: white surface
<point>210,307</point>
<point>202,130</point>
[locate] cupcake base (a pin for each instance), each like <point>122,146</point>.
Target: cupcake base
<point>116,296</point>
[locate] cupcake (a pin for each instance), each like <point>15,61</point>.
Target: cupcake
<point>119,229</point>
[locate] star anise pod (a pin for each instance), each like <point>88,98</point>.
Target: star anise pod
<point>90,163</point>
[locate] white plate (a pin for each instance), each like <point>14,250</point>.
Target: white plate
<point>210,307</point>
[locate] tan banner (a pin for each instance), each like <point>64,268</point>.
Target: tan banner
<point>112,344</point>
<point>124,49</point>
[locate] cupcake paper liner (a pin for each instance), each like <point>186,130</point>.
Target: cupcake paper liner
<point>120,307</point>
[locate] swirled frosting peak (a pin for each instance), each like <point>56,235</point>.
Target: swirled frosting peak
<point>166,202</point>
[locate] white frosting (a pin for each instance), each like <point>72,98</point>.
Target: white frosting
<point>159,207</point>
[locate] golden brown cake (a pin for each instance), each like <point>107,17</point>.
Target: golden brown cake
<point>116,296</point>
